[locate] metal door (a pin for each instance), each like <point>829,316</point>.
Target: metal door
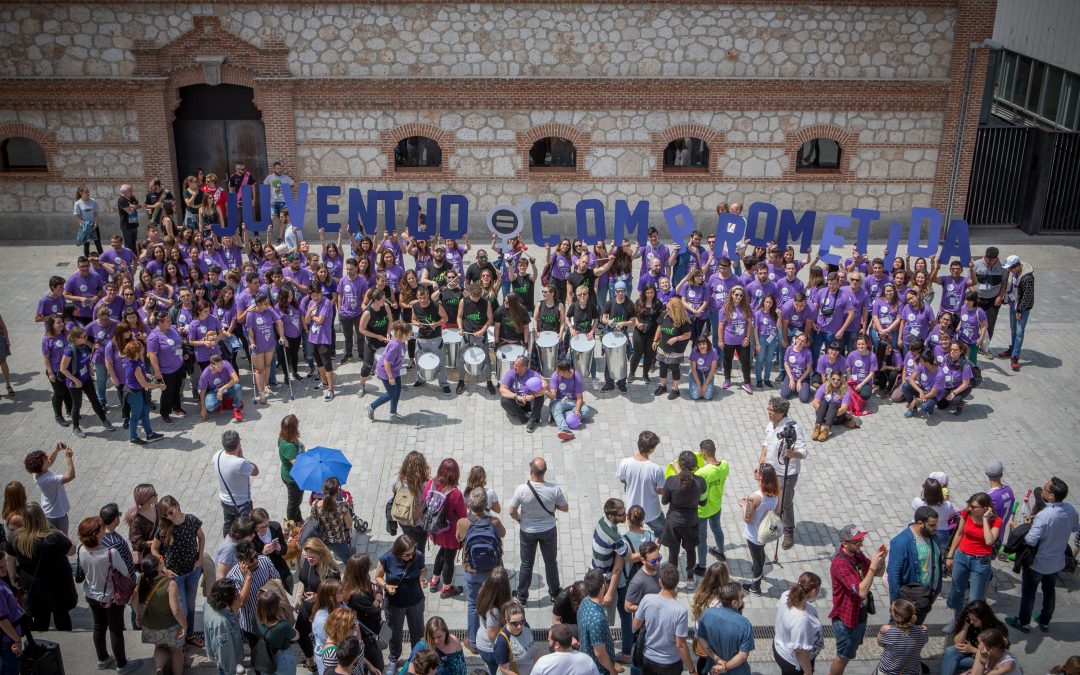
<point>216,146</point>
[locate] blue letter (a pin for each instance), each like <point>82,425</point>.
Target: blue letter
<point>388,198</point>
<point>730,228</point>
<point>431,221</point>
<point>324,209</point>
<point>536,214</point>
<point>248,211</point>
<point>627,223</point>
<point>914,245</point>
<point>296,208</point>
<point>831,238</point>
<point>446,204</point>
<point>801,230</point>
<point>863,218</point>
<point>680,222</point>
<point>232,217</point>
<point>956,244</point>
<point>362,215</point>
<point>752,214</point>
<point>599,231</point>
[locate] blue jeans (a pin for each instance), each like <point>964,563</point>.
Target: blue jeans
<point>188,589</point>
<point>140,413</point>
<point>955,661</point>
<point>489,660</point>
<point>1017,327</point>
<point>473,582</point>
<point>714,328</point>
<point>764,361</point>
<point>657,525</point>
<point>392,394</point>
<point>561,407</point>
<point>1030,582</point>
<point>705,524</point>
<point>101,382</point>
<point>707,393</point>
<point>970,575</point>
<point>235,392</point>
<point>821,339</point>
<point>285,661</point>
<point>9,663</point>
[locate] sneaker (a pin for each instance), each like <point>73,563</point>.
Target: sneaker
<point>328,396</point>
<point>345,359</point>
<point>608,386</point>
<point>1015,363</point>
<point>760,384</point>
<point>699,570</point>
<point>154,437</point>
<point>691,584</point>
<point>450,591</point>
<point>371,413</point>
<point>319,386</point>
<point>362,392</point>
<point>768,384</point>
<point>622,387</point>
<point>108,426</point>
<point>394,417</point>
<point>1044,627</point>
<point>460,386</point>
<point>238,415</point>
<point>566,436</point>
<point>296,376</point>
<point>166,419</point>
<point>125,425</point>
<point>129,667</point>
<point>660,390</point>
<point>624,658</point>
<point>311,373</point>
<point>747,388</point>
<point>78,433</point>
<point>1015,623</point>
<point>62,422</point>
<point>446,390</point>
<point>106,664</point>
<point>909,413</point>
<point>674,394</point>
<point>789,541</point>
<point>726,384</point>
<point>418,383</point>
<point>959,408</point>
<point>490,388</point>
<point>647,380</point>
<point>752,589</point>
<point>179,413</point>
<point>1004,353</point>
<point>137,441</point>
<point>530,427</point>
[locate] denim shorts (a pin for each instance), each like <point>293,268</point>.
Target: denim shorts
<point>848,640</point>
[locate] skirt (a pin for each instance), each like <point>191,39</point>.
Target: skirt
<point>5,349</point>
<point>167,637</point>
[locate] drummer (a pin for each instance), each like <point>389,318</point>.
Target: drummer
<point>474,317</point>
<point>521,392</point>
<point>581,319</point>
<point>375,326</point>
<point>567,393</point>
<point>618,317</point>
<point>549,316</point>
<point>429,317</point>
<point>512,323</point>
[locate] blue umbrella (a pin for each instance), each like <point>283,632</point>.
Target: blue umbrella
<point>313,467</point>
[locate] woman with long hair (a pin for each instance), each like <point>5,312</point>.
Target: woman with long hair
<point>683,493</point>
<point>478,479</point>
<point>831,406</point>
<point>493,596</point>
<point>885,316</point>
<point>561,265</point>
<point>335,519</point>
<point>647,311</point>
<point>736,319</point>
<point>289,448</point>
<point>317,564</point>
<point>365,599</point>
<point>412,476</point>
<point>962,643</point>
<point>708,590</point>
<point>340,625</point>
<point>142,520</point>
<point>390,369</point>
<point>512,323</point>
<point>159,611</point>
<point>97,562</point>
<point>444,488</point>
<point>932,494</point>
<point>329,598</point>
<point>136,385</point>
<point>437,636</point>
<point>766,342</point>
<point>549,315</point>
<point>754,507</point>
<point>694,293</point>
<point>901,641</point>
<point>261,322</point>
<point>14,503</point>
<point>799,637</point>
<point>291,319</point>
<point>41,556</point>
<point>180,542</point>
<point>670,340</point>
<point>53,344</point>
<point>75,368</point>
<point>399,573</point>
<point>971,551</point>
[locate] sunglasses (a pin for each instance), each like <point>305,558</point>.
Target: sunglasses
<point>515,624</point>
<point>656,561</point>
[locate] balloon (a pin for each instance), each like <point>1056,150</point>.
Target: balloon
<point>534,384</point>
<point>573,420</point>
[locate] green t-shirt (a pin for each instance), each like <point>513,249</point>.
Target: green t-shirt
<point>715,476</point>
<point>287,452</point>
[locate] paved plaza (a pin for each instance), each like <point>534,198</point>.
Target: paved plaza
<point>1028,420</point>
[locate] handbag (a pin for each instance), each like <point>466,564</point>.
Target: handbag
<point>637,656</point>
<point>920,595</point>
<point>122,584</point>
<point>382,638</point>
<point>871,604</point>
<point>262,659</point>
<point>80,573</point>
<point>87,232</point>
<point>391,524</point>
<point>769,528</point>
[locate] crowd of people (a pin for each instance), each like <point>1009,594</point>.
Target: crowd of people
<point>233,313</point>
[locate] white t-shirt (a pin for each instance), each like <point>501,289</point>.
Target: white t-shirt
<point>234,475</point>
<point>564,663</point>
<point>534,517</point>
<point>944,510</point>
<point>642,480</point>
<point>796,629</point>
<point>54,499</point>
<point>85,209</point>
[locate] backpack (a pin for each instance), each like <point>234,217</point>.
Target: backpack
<point>483,548</point>
<point>433,517</point>
<point>403,506</point>
<point>636,566</point>
<point>769,528</point>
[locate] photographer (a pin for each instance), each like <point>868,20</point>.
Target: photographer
<point>782,431</point>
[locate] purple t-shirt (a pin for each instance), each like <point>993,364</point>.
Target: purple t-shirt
<point>736,327</point>
<point>884,312</point>
<point>245,299</point>
<point>225,315</point>
<point>115,307</point>
<point>560,266</point>
<point>262,325</point>
<point>395,354</point>
<point>703,362</point>
<point>169,349</point>
<point>130,368</point>
<point>910,364</point>
<point>88,286</point>
<point>843,397</point>
<point>648,252</point>
<point>567,388</point>
<point>825,367</point>
<point>211,380</point>
<point>124,259</point>
<point>395,248</point>
<point>928,380</point>
<point>935,336</point>
<point>99,335</point>
<point>115,356</point>
<point>838,303</point>
<point>49,305</point>
<point>454,256</point>
<point>718,288</point>
<point>197,333</point>
<point>79,366</point>
<point>336,267</point>
<point>797,362</point>
<point>648,278</point>
<point>299,275</point>
<point>861,365</point>
<point>757,292</point>
<point>971,321</point>
<point>695,296</point>
<point>290,321</point>
<point>351,292</point>
<point>956,373</point>
<point>516,382</point>
<point>916,322</point>
<point>767,327</point>
<point>952,292</point>
<point>207,259</point>
<point>233,257</point>
<point>393,275</point>
<point>857,299</point>
<point>786,289</point>
<point>874,287</point>
<point>320,334</point>
<point>796,318</point>
<point>53,348</point>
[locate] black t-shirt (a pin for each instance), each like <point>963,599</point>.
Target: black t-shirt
<point>363,603</point>
<point>127,220</point>
<point>668,329</point>
<point>437,273</point>
<point>523,288</point>
<point>586,279</point>
<point>564,609</point>
<point>237,178</point>
<point>153,199</point>
<point>378,321</point>
<point>649,316</point>
<point>619,312</point>
<point>473,273</point>
<point>475,314</point>
<point>548,318</point>
<point>508,332</point>
<point>53,578</point>
<point>188,194</point>
<point>582,318</point>
<point>684,503</point>
<point>450,298</point>
<point>424,315</point>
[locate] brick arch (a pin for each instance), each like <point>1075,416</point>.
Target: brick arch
<point>185,77</point>
<point>388,141</point>
<point>579,138</point>
<point>713,139</point>
<point>847,140</point>
<point>46,140</point>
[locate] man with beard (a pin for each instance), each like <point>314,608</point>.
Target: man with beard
<point>434,273</point>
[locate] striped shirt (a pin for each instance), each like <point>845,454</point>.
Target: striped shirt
<point>114,540</point>
<point>259,577</point>
<point>606,543</point>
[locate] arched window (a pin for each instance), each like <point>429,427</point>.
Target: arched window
<point>818,154</point>
<point>553,152</point>
<point>417,151</point>
<point>686,153</point>
<point>22,154</point>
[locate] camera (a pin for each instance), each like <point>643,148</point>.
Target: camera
<point>826,311</point>
<point>787,433</point>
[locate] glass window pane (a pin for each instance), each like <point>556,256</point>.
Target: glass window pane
<point>1006,76</point>
<point>1023,73</point>
<point>1038,72</point>
<point>1069,100</point>
<point>23,153</point>
<point>1052,94</point>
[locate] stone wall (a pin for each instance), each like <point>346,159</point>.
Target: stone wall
<point>506,40</point>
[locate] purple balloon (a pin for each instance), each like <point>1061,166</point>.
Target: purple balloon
<point>534,384</point>
<point>573,420</point>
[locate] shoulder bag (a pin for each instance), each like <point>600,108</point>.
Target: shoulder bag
<point>123,587</point>
<point>538,500</point>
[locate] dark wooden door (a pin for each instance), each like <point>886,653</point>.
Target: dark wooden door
<point>217,145</point>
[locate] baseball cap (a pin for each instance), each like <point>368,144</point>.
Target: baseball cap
<point>1012,261</point>
<point>994,468</point>
<point>992,252</point>
<point>941,477</point>
<point>852,533</point>
<point>620,286</point>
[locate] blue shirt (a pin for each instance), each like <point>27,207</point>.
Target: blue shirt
<point>1050,531</point>
<point>593,630</point>
<point>727,633</point>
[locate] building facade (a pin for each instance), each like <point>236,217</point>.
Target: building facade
<point>823,105</point>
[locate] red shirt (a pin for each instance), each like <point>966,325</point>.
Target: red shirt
<point>971,536</point>
<point>847,574</point>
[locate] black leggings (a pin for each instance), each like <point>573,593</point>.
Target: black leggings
<point>744,361</point>
<point>444,565</point>
<point>97,245</point>
<point>60,395</point>
<point>125,407</point>
<point>687,539</point>
<point>757,562</point>
<point>292,504</point>
<point>643,349</point>
<point>170,397</point>
<point>45,607</point>
<point>292,356</point>
<point>675,369</point>
<point>90,393</point>
<point>112,620</point>
<point>886,379</point>
<point>370,347</point>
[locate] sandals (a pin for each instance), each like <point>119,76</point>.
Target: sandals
<point>196,640</point>
<point>10,392</point>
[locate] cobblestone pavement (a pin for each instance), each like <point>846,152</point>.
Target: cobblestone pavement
<point>1027,420</point>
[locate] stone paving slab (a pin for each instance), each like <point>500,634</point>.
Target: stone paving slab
<point>869,476</point>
